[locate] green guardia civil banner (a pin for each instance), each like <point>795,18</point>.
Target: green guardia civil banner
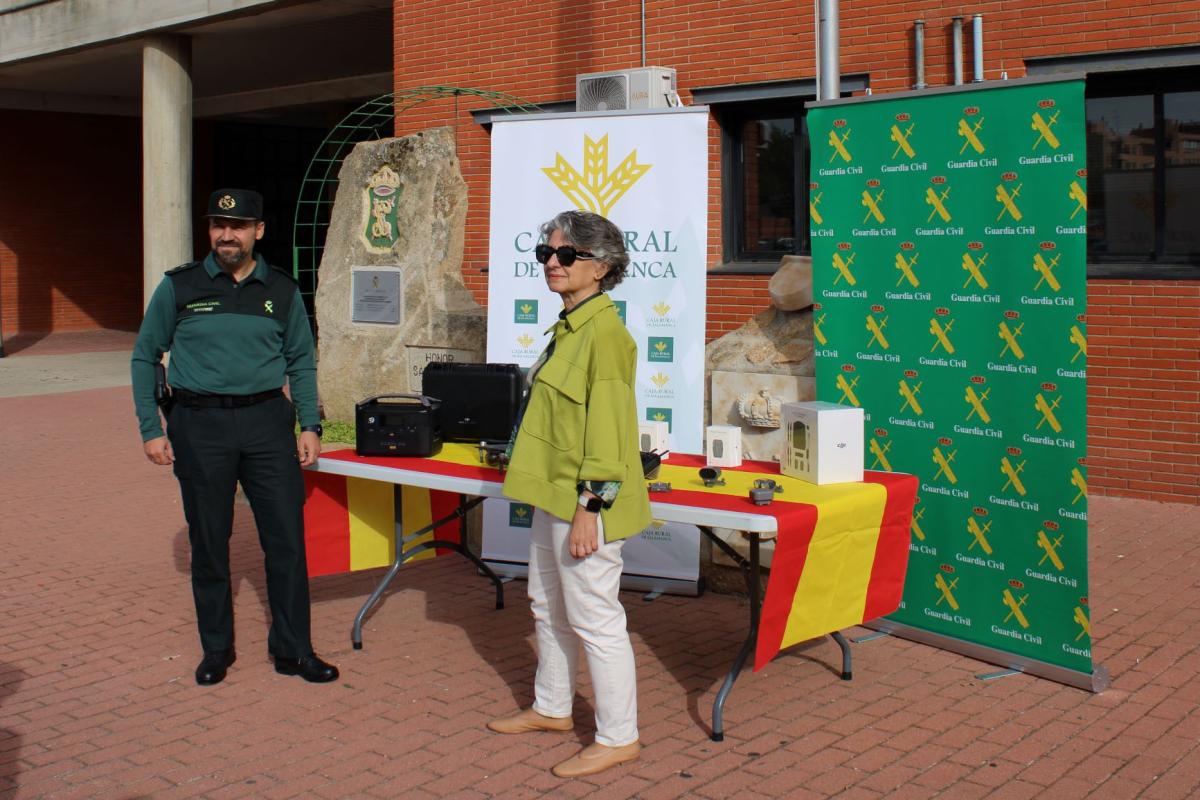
<point>949,245</point>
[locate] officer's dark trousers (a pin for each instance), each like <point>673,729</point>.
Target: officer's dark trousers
<point>214,449</point>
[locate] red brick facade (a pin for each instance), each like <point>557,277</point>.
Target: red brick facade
<point>70,231</point>
<point>1144,389</point>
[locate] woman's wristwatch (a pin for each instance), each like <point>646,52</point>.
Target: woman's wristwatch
<point>591,504</point>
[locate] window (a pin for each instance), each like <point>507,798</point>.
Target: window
<point>1143,141</point>
<point>765,181</point>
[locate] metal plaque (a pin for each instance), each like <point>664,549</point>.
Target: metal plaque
<point>376,296</point>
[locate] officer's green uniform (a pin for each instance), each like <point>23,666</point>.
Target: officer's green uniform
<point>232,346</point>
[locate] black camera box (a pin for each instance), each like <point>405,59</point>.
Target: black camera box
<point>479,402</point>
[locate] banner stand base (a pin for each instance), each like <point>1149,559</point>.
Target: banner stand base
<point>1097,681</point>
<point>629,583</point>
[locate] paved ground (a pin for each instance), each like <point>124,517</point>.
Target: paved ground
<point>97,648</point>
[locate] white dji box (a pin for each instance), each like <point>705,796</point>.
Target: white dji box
<point>654,437</point>
<point>823,442</point>
<point>723,446</point>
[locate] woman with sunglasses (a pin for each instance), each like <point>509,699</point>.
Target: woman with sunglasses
<point>575,460</point>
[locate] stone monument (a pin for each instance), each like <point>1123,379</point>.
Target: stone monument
<point>390,296</point>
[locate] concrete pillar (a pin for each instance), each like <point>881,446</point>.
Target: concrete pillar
<point>166,157</point>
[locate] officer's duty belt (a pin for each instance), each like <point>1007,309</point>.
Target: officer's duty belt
<point>194,400</point>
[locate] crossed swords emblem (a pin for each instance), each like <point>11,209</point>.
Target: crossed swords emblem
<point>817,333</point>
<point>941,335</point>
<point>1043,126</point>
<point>901,140</point>
<point>1080,483</point>
<point>1085,625</point>
<point>843,268</point>
<point>976,401</point>
<point>847,388</point>
<point>872,205</point>
<point>1009,335</point>
<point>880,453</point>
<point>905,266</point>
<point>1046,268</point>
<point>1047,412</point>
<point>1077,193</point>
<point>943,462</point>
<point>1014,606</point>
<point>1080,341</point>
<point>974,270</point>
<point>1013,474</point>
<point>1051,548</point>
<point>938,202</point>
<point>1008,201</point>
<point>909,393</point>
<point>918,515</point>
<point>876,328</point>
<point>812,208</point>
<point>980,534</point>
<point>946,589</point>
<point>839,146</point>
<point>970,135</point>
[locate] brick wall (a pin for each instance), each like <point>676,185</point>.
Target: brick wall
<point>70,222</point>
<point>1144,431</point>
<point>1144,389</point>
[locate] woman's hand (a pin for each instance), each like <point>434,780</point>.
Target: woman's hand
<point>584,538</point>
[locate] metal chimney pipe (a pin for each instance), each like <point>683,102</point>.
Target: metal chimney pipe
<point>831,76</point>
<point>919,51</point>
<point>977,26</point>
<point>958,53</point>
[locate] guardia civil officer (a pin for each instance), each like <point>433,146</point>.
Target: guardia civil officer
<point>236,329</point>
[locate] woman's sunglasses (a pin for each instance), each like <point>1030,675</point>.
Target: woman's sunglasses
<point>567,255</point>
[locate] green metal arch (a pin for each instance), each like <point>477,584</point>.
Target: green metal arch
<point>374,119</point>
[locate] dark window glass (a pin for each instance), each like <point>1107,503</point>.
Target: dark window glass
<point>1120,145</point>
<point>769,186</point>
<point>766,182</point>
<point>1181,154</point>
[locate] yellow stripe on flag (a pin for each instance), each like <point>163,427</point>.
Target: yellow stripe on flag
<point>832,593</point>
<point>416,513</point>
<point>371,507</point>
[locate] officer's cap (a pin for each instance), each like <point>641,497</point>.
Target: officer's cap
<point>235,204</point>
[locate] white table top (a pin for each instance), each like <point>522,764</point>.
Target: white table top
<point>666,512</point>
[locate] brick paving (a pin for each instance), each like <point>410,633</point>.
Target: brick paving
<point>97,648</point>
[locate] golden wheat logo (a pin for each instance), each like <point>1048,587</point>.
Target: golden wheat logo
<point>661,309</point>
<point>525,340</point>
<point>659,417</point>
<point>660,345</point>
<point>596,189</point>
<point>520,511</point>
<point>660,380</point>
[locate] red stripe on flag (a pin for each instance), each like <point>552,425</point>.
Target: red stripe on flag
<point>891,553</point>
<point>791,551</point>
<point>326,524</point>
<point>442,504</point>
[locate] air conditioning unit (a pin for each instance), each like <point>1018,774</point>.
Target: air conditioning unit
<point>642,87</point>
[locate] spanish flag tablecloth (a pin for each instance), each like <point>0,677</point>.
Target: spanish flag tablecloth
<point>840,555</point>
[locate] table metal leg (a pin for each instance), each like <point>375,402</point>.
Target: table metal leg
<point>403,555</point>
<point>847,672</point>
<point>750,572</point>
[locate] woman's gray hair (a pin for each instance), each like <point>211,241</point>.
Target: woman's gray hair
<point>596,235</point>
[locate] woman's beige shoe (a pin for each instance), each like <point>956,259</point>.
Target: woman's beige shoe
<point>597,758</point>
<point>528,721</point>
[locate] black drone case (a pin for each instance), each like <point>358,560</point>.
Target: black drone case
<point>479,402</point>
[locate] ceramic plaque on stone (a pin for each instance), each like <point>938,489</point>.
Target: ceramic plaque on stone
<point>375,296</point>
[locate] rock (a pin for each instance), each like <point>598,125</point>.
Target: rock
<point>791,285</point>
<point>421,234</point>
